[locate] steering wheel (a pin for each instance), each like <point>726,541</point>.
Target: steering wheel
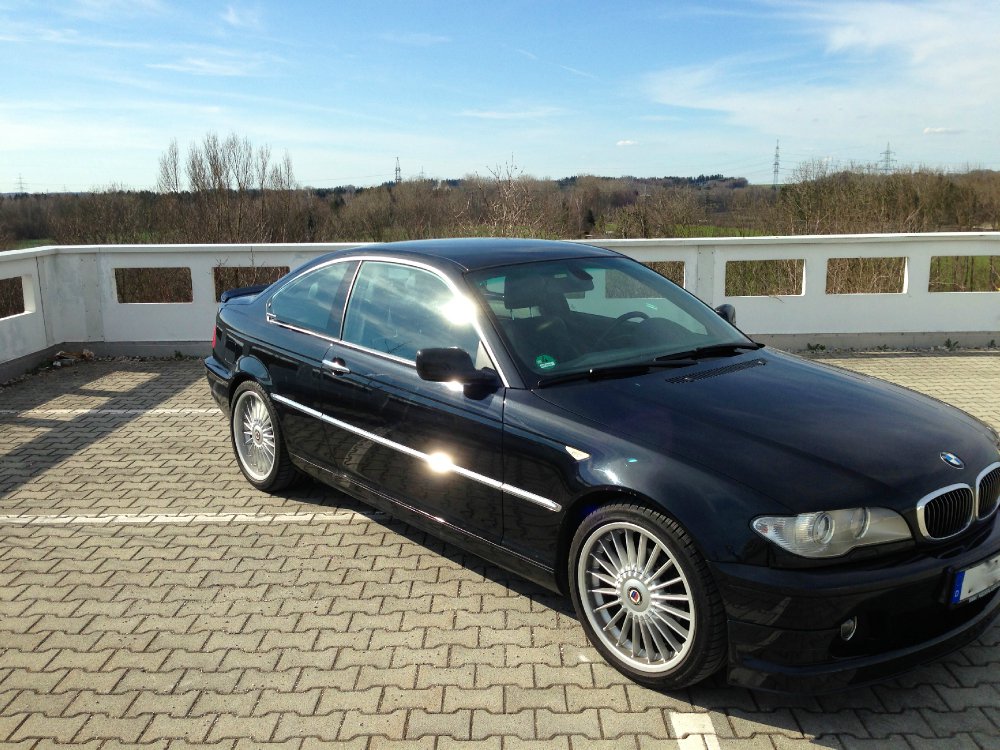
<point>618,321</point>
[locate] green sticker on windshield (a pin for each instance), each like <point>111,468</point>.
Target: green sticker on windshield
<point>545,361</point>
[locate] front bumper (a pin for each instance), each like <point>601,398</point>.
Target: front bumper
<point>784,625</point>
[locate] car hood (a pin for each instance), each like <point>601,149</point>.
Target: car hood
<point>809,436</point>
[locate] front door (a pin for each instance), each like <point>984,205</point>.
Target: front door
<point>432,446</point>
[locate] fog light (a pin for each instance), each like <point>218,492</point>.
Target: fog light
<point>848,628</point>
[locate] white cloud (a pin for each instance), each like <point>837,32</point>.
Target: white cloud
<point>242,18</point>
<point>36,34</point>
<point>220,64</point>
<point>942,131</point>
<point>101,9</point>
<point>413,38</point>
<point>202,67</point>
<point>890,67</point>
<point>578,72</point>
<point>524,114</point>
<point>627,143</point>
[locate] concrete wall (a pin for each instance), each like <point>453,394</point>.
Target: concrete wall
<point>71,298</point>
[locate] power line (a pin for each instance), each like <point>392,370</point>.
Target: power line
<point>777,163</point>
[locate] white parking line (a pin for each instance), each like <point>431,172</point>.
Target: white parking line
<point>694,731</point>
<point>42,412</point>
<point>221,519</point>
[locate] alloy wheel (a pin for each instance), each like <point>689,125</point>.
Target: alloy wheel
<point>636,596</point>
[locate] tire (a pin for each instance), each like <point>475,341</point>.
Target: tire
<point>646,598</point>
<point>257,440</point>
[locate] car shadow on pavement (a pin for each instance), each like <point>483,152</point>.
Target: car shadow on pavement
<point>61,414</point>
<point>817,717</point>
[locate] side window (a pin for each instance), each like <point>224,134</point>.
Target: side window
<point>400,310</point>
<point>315,300</point>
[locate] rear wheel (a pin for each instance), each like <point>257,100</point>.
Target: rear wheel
<point>645,597</point>
<point>257,440</point>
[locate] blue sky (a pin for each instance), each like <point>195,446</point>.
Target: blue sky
<point>92,92</point>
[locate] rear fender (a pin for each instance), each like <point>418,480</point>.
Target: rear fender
<point>251,368</point>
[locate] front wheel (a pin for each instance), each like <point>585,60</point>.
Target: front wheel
<point>257,441</point>
<point>645,597</point>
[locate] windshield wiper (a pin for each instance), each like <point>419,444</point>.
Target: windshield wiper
<point>613,371</point>
<point>713,350</point>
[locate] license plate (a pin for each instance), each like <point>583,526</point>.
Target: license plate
<point>976,581</point>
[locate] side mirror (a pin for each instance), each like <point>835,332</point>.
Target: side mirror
<point>727,313</point>
<point>440,365</point>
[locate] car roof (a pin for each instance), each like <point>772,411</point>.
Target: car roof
<point>474,253</point>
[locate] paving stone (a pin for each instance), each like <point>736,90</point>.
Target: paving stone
<point>304,702</point>
<point>517,698</point>
<point>324,727</point>
<point>257,728</point>
<point>232,704</point>
<point>613,697</point>
<point>99,727</point>
<point>555,743</point>
<point>358,724</point>
<point>842,722</point>
<point>455,697</point>
<point>357,631</point>
<point>37,726</point>
<point>488,743</point>
<point>486,724</point>
<point>747,724</point>
<point>168,727</point>
<point>89,702</point>
<point>456,724</point>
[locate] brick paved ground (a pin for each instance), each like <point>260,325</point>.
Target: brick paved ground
<point>150,597</point>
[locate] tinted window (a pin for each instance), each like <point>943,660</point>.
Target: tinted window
<point>576,314</point>
<point>400,310</point>
<point>315,300</point>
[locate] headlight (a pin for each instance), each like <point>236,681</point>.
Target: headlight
<point>832,533</point>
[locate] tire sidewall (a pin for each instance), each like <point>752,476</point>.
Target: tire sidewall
<point>695,665</point>
<point>269,480</point>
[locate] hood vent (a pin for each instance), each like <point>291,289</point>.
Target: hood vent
<point>716,372</point>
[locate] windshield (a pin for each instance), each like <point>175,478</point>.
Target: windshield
<point>576,315</point>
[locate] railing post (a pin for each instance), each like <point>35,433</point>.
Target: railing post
<point>705,273</point>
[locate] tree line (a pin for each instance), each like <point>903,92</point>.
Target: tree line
<point>227,190</point>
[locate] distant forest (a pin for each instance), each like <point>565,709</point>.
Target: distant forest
<point>226,190</point>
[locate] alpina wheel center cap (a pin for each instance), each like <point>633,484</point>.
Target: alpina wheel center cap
<point>635,596</point>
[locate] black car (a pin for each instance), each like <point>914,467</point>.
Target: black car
<point>568,413</point>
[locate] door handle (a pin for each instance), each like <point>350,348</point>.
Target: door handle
<point>336,366</point>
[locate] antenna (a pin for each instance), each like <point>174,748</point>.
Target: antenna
<point>777,163</point>
<point>887,160</point>
<point>399,172</point>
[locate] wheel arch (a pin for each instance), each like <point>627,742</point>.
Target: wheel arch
<point>249,368</point>
<point>582,507</point>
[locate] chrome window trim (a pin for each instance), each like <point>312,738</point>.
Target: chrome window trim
<point>979,482</point>
<point>361,259</point>
<point>413,452</point>
<point>377,353</point>
<point>922,504</point>
<point>271,318</point>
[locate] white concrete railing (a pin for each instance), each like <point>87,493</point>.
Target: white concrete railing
<point>70,297</point>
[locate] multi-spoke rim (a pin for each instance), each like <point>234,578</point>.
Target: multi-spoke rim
<point>636,597</point>
<point>253,434</point>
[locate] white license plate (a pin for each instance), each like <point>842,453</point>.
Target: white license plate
<point>976,581</point>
